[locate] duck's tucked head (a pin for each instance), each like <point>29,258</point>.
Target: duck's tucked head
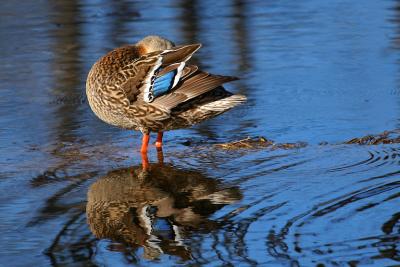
<point>153,43</point>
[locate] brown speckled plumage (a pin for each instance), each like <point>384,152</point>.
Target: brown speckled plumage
<point>117,84</point>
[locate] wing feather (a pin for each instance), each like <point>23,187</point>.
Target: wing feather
<point>196,85</point>
<point>137,76</point>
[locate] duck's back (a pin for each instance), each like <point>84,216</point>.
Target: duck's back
<point>107,70</point>
<point>104,90</point>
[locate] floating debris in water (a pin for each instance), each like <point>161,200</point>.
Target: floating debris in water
<point>257,143</point>
<point>387,137</point>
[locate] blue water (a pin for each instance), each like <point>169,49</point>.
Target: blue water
<point>72,191</point>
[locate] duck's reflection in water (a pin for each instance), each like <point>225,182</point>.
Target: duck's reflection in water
<point>155,208</point>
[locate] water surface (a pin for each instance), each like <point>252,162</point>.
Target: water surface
<point>72,190</point>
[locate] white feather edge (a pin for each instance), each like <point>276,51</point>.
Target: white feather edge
<point>146,220</point>
<point>178,74</point>
<point>147,94</point>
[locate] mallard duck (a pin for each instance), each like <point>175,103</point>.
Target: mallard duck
<point>150,87</point>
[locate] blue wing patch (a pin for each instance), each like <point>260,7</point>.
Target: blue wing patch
<point>164,83</point>
<point>161,85</point>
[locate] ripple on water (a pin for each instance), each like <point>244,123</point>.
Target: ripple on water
<point>282,207</point>
<point>330,220</point>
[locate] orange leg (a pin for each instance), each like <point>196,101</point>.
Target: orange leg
<point>143,150</point>
<point>159,141</point>
<point>145,143</point>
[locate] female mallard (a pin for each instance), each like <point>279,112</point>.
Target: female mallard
<point>149,87</point>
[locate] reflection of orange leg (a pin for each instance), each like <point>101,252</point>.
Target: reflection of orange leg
<point>145,161</point>
<point>159,141</point>
<point>143,150</point>
<point>145,143</point>
<point>160,156</point>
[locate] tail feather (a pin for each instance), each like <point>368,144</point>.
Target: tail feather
<point>211,109</point>
<point>224,104</point>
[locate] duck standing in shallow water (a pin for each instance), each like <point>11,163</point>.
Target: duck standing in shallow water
<point>149,87</point>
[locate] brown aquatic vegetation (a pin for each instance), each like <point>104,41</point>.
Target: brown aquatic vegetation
<point>260,142</point>
<point>387,137</point>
